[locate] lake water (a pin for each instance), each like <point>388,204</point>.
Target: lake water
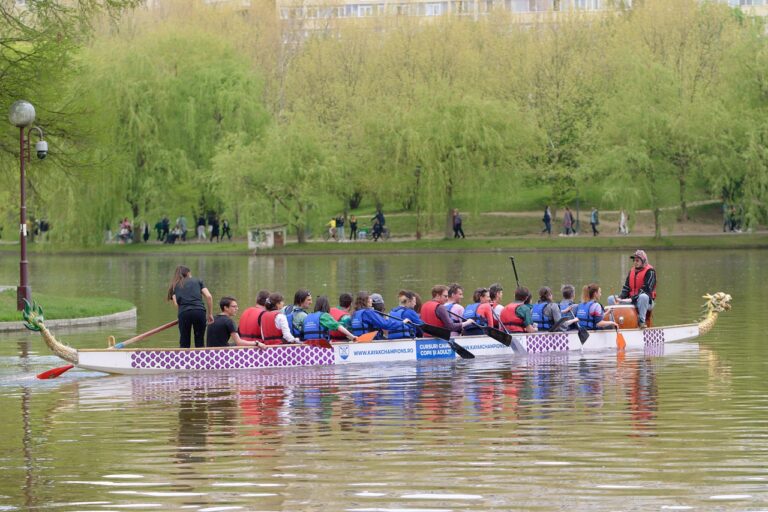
<point>685,431</point>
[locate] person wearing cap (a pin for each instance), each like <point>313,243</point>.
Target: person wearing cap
<point>366,319</point>
<point>639,287</point>
<point>378,302</point>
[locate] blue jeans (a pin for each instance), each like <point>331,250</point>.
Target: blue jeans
<point>644,305</point>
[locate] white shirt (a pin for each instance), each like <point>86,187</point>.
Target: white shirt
<point>281,322</point>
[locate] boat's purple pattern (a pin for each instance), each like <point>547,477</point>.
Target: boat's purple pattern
<point>547,342</point>
<point>653,338</point>
<point>233,358</point>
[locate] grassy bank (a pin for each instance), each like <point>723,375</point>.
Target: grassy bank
<point>582,242</point>
<point>57,307</point>
<point>555,243</point>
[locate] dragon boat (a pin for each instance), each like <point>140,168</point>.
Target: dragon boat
<point>136,361</point>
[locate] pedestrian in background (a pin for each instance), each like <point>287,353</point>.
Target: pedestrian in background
<point>547,219</point>
<point>457,231</point>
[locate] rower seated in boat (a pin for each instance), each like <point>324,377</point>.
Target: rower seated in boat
<point>319,324</point>
<point>365,319</point>
<point>274,324</point>
<point>433,311</point>
<point>249,328</point>
<point>479,314</point>
<point>405,311</point>
<point>223,331</point>
<point>516,316</point>
<point>590,311</point>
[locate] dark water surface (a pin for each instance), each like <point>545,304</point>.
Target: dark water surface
<point>686,431</point>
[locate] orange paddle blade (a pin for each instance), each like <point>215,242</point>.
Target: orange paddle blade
<point>621,343</point>
<point>367,337</point>
<point>319,343</point>
<point>54,372</point>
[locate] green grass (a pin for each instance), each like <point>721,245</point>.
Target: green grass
<point>55,307</point>
<point>580,243</point>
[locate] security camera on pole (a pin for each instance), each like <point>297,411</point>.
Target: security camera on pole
<point>22,115</point>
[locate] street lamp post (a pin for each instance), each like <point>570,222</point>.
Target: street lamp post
<point>22,115</point>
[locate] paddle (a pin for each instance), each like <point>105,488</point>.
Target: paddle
<point>621,343</point>
<point>319,343</point>
<point>512,259</point>
<point>439,332</point>
<point>502,337</point>
<point>367,337</point>
<point>55,372</point>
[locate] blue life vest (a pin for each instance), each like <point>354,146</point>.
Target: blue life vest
<point>289,311</point>
<point>404,331</point>
<point>313,329</point>
<point>570,315</point>
<point>538,317</point>
<point>585,320</point>
<point>359,326</point>
<point>470,313</point>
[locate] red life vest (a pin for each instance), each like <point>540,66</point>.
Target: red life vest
<point>429,315</point>
<point>249,328</point>
<point>636,280</point>
<point>337,315</point>
<point>269,330</point>
<point>511,319</point>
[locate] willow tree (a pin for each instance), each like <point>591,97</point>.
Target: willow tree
<point>290,168</point>
<point>160,104</point>
<point>691,40</point>
<point>448,143</point>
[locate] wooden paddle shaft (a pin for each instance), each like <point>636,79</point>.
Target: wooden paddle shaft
<point>147,334</point>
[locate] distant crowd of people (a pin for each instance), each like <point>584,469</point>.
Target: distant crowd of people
<point>206,229</point>
<point>271,322</point>
<point>570,225</point>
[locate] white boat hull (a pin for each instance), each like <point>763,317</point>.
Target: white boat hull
<point>154,361</point>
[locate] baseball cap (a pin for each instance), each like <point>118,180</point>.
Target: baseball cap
<point>640,254</point>
<point>377,298</point>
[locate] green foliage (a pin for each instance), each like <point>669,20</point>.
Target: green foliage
<point>57,307</point>
<point>195,109</point>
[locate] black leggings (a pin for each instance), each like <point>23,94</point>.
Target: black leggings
<point>188,320</point>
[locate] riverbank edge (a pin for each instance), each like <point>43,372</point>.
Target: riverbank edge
<point>120,316</point>
<point>583,243</point>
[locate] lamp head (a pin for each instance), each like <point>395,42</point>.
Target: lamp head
<point>22,114</point>
<point>42,149</point>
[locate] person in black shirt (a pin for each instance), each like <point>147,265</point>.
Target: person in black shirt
<point>223,327</point>
<point>187,294</point>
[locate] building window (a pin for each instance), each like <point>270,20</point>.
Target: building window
<point>364,11</point>
<point>433,10</point>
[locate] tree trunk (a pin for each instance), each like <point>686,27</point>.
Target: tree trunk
<point>681,177</point>
<point>657,222</point>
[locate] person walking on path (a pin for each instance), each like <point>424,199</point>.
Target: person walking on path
<point>594,220</point>
<point>623,223</point>
<point>225,231</point>
<point>457,231</point>
<point>201,228</point>
<point>190,296</point>
<point>340,227</point>
<point>353,228</point>
<point>568,222</point>
<point>547,219</point>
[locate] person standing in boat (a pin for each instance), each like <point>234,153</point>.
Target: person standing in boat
<point>274,325</point>
<point>249,328</point>
<point>319,324</point>
<point>223,327</point>
<point>590,312</point>
<point>516,316</point>
<point>639,288</point>
<point>407,301</point>
<point>187,294</point>
<point>298,311</point>
<point>366,319</point>
<point>433,311</point>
